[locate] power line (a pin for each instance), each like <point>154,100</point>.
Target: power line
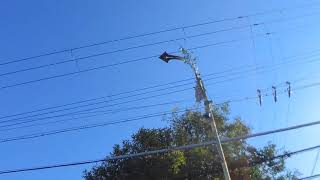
<point>116,64</point>
<point>104,113</point>
<point>310,177</point>
<point>125,97</point>
<point>88,110</point>
<point>229,101</point>
<point>150,87</point>
<point>126,120</point>
<point>165,150</point>
<point>97,98</point>
<point>315,163</point>
<point>90,126</point>
<point>101,107</point>
<point>262,67</point>
<point>125,49</point>
<point>72,49</point>
<point>155,43</point>
<point>101,113</point>
<point>110,65</point>
<point>289,154</point>
<point>158,32</point>
<point>95,108</point>
<point>121,93</point>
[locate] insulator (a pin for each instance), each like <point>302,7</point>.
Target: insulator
<point>259,96</point>
<point>289,89</point>
<point>275,94</point>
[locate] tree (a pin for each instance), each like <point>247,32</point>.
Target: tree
<point>244,160</point>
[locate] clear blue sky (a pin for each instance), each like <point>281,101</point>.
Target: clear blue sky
<point>35,27</point>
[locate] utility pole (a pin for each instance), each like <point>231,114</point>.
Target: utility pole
<point>203,96</point>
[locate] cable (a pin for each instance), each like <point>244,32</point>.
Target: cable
<point>155,43</point>
<point>90,126</point>
<point>289,154</point>
<point>97,98</point>
<point>110,65</point>
<point>74,73</point>
<point>95,108</point>
<point>262,67</point>
<point>125,97</point>
<point>121,50</point>
<point>72,49</point>
<point>103,97</point>
<point>157,152</point>
<point>101,113</point>
<point>310,177</point>
<point>271,132</point>
<point>315,163</point>
<point>157,32</point>
<point>116,122</point>
<point>121,93</point>
<point>73,113</point>
<point>88,110</point>
<point>104,113</point>
<point>101,107</point>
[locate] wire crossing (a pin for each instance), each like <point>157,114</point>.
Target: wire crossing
<point>157,43</point>
<point>159,32</point>
<point>90,126</point>
<point>116,64</point>
<point>228,70</point>
<point>96,103</point>
<point>170,149</point>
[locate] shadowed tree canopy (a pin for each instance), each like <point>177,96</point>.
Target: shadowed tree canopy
<point>244,160</point>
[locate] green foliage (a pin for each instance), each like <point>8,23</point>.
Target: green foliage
<point>244,160</point>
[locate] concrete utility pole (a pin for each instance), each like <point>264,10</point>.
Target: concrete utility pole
<point>203,96</point>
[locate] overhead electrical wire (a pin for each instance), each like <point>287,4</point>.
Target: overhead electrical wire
<point>315,163</point>
<point>90,126</point>
<point>94,99</point>
<point>310,177</point>
<point>288,154</point>
<point>115,64</point>
<point>102,113</point>
<point>121,50</point>
<point>128,92</point>
<point>283,63</point>
<point>27,120</point>
<point>158,32</point>
<point>72,49</point>
<point>109,111</point>
<point>107,66</point>
<point>95,108</point>
<point>47,167</point>
<point>109,105</point>
<point>53,117</point>
<point>96,103</point>
<point>111,65</point>
<point>103,124</point>
<point>125,92</point>
<point>155,43</point>
<point>170,149</point>
<point>36,135</point>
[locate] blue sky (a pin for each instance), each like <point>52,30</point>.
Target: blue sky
<point>37,27</point>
